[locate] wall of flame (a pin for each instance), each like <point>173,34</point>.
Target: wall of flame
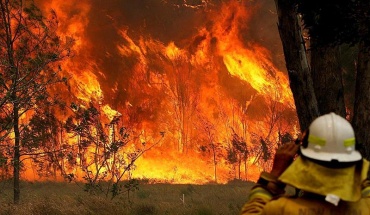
<point>179,67</point>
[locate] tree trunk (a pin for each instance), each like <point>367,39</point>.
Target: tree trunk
<point>361,115</point>
<point>245,169</point>
<point>327,79</point>
<point>16,159</point>
<point>214,164</point>
<point>215,171</point>
<point>239,167</point>
<point>296,62</point>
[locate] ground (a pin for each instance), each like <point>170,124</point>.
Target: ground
<point>55,198</point>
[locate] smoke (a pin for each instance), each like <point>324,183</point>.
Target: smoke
<point>157,20</point>
<point>263,29</point>
<point>178,21</point>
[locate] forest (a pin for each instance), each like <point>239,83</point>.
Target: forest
<point>105,94</point>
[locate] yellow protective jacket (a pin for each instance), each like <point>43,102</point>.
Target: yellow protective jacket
<point>262,202</point>
<point>323,187</point>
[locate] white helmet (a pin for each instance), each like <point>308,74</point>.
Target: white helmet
<point>331,137</point>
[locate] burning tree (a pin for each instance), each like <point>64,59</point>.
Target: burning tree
<point>29,49</point>
<point>185,99</point>
<point>91,142</point>
<point>237,153</point>
<point>211,145</point>
<point>40,143</point>
<point>104,153</point>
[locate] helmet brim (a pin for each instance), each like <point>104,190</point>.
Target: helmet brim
<point>326,156</point>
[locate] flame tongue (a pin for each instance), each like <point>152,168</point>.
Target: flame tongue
<point>183,87</point>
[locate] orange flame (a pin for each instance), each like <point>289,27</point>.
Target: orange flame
<point>169,85</point>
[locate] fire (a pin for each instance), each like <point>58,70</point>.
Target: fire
<point>110,113</point>
<point>246,66</point>
<point>250,63</point>
<point>180,94</point>
<point>172,51</point>
<point>73,19</point>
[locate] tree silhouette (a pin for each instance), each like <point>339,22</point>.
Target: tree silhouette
<point>103,151</point>
<point>211,146</point>
<point>39,143</point>
<point>330,26</point>
<point>237,152</point>
<point>29,50</point>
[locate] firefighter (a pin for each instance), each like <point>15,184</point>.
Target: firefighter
<point>327,169</point>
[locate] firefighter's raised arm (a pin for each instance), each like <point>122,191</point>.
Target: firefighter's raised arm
<point>268,186</point>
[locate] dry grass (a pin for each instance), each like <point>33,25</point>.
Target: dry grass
<point>51,198</point>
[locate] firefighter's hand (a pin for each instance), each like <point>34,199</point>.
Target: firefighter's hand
<point>283,158</point>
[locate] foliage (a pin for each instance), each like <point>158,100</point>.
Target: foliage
<point>211,146</point>
<point>5,167</point>
<point>266,154</point>
<point>39,143</point>
<point>86,125</point>
<point>103,152</point>
<point>285,138</point>
<point>237,152</point>
<point>29,51</point>
<point>240,145</point>
<point>130,186</point>
<point>336,22</point>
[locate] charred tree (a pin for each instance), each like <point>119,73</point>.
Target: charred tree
<point>238,152</point>
<point>301,82</point>
<point>184,94</point>
<point>329,26</point>
<point>361,115</point>
<point>327,79</point>
<point>211,146</point>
